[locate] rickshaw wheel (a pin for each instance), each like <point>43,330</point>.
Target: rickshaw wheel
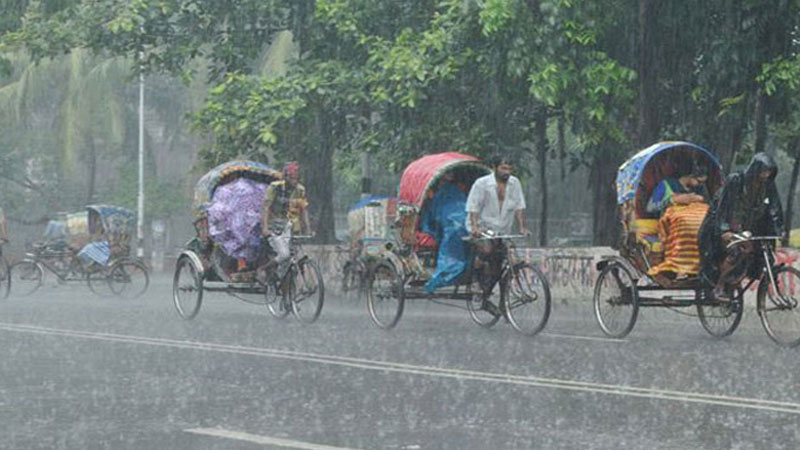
<point>780,317</point>
<point>527,299</point>
<point>5,278</point>
<point>385,296</point>
<point>722,318</point>
<point>187,288</point>
<point>309,292</point>
<point>26,277</point>
<point>616,300</point>
<point>128,279</point>
<point>477,313</point>
<point>353,278</point>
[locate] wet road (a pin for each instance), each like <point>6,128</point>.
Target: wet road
<point>78,371</point>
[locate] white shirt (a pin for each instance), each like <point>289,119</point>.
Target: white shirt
<point>483,200</point>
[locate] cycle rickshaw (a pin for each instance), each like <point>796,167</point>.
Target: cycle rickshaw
<point>520,293</point>
<point>228,250</point>
<point>112,227</point>
<point>623,285</point>
<point>369,222</point>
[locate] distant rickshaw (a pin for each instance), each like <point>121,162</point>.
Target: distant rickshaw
<point>228,250</point>
<point>104,232</point>
<point>623,285</point>
<point>407,260</point>
<point>369,223</point>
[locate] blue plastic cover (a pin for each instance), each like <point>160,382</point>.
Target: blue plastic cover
<point>445,218</point>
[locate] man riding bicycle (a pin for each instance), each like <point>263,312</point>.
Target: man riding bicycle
<point>493,203</point>
<point>285,211</point>
<point>748,202</point>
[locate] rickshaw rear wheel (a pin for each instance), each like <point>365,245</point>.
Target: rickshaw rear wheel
<point>385,296</point>
<point>26,277</point>
<point>128,279</point>
<point>5,278</point>
<point>616,300</point>
<point>187,288</point>
<point>780,316</point>
<point>527,299</point>
<point>277,299</point>
<point>721,318</point>
<point>309,292</point>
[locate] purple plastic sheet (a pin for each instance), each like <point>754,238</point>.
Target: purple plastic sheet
<point>234,217</point>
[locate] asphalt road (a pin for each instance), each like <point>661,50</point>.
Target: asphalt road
<point>82,372</point>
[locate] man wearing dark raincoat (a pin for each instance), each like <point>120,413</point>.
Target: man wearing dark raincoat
<point>749,201</point>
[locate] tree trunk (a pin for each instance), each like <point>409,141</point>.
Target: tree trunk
<point>562,146</point>
<point>92,171</point>
<point>648,83</point>
<point>602,176</point>
<point>792,150</point>
<point>320,181</point>
<point>543,148</point>
<point>761,120</point>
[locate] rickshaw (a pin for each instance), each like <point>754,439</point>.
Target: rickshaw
<point>5,272</point>
<point>520,293</point>
<point>228,250</point>
<point>369,222</point>
<point>623,284</point>
<point>121,275</point>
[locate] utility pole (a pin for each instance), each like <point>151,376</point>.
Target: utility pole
<point>366,175</point>
<point>140,199</point>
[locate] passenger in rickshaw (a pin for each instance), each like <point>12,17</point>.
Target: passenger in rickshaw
<point>681,203</point>
<point>285,211</point>
<point>493,203</point>
<point>749,201</point>
<point>444,218</point>
<point>97,252</point>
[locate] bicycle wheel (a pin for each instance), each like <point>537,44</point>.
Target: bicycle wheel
<point>353,279</point>
<point>26,277</point>
<point>187,288</point>
<point>778,306</point>
<point>484,308</point>
<point>128,279</point>
<point>721,319</point>
<point>527,299</point>
<point>385,296</point>
<point>616,300</point>
<point>309,292</point>
<point>5,278</point>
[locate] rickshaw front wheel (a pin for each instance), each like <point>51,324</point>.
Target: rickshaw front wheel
<point>385,296</point>
<point>309,294</point>
<point>616,300</point>
<point>187,288</point>
<point>779,308</point>
<point>128,279</point>
<point>527,299</point>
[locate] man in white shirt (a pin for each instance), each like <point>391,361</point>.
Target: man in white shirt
<point>493,203</point>
<point>495,200</point>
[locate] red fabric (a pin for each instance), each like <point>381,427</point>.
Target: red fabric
<point>425,240</point>
<point>420,172</point>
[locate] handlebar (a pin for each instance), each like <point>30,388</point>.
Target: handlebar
<point>748,237</point>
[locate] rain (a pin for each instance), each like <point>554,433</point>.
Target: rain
<point>352,224</point>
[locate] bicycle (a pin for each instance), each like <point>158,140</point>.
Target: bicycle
<point>776,298</point>
<point>296,285</point>
<point>523,297</point>
<point>5,274</point>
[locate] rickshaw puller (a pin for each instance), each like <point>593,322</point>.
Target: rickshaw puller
<point>749,201</point>
<point>492,204</point>
<point>285,211</point>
